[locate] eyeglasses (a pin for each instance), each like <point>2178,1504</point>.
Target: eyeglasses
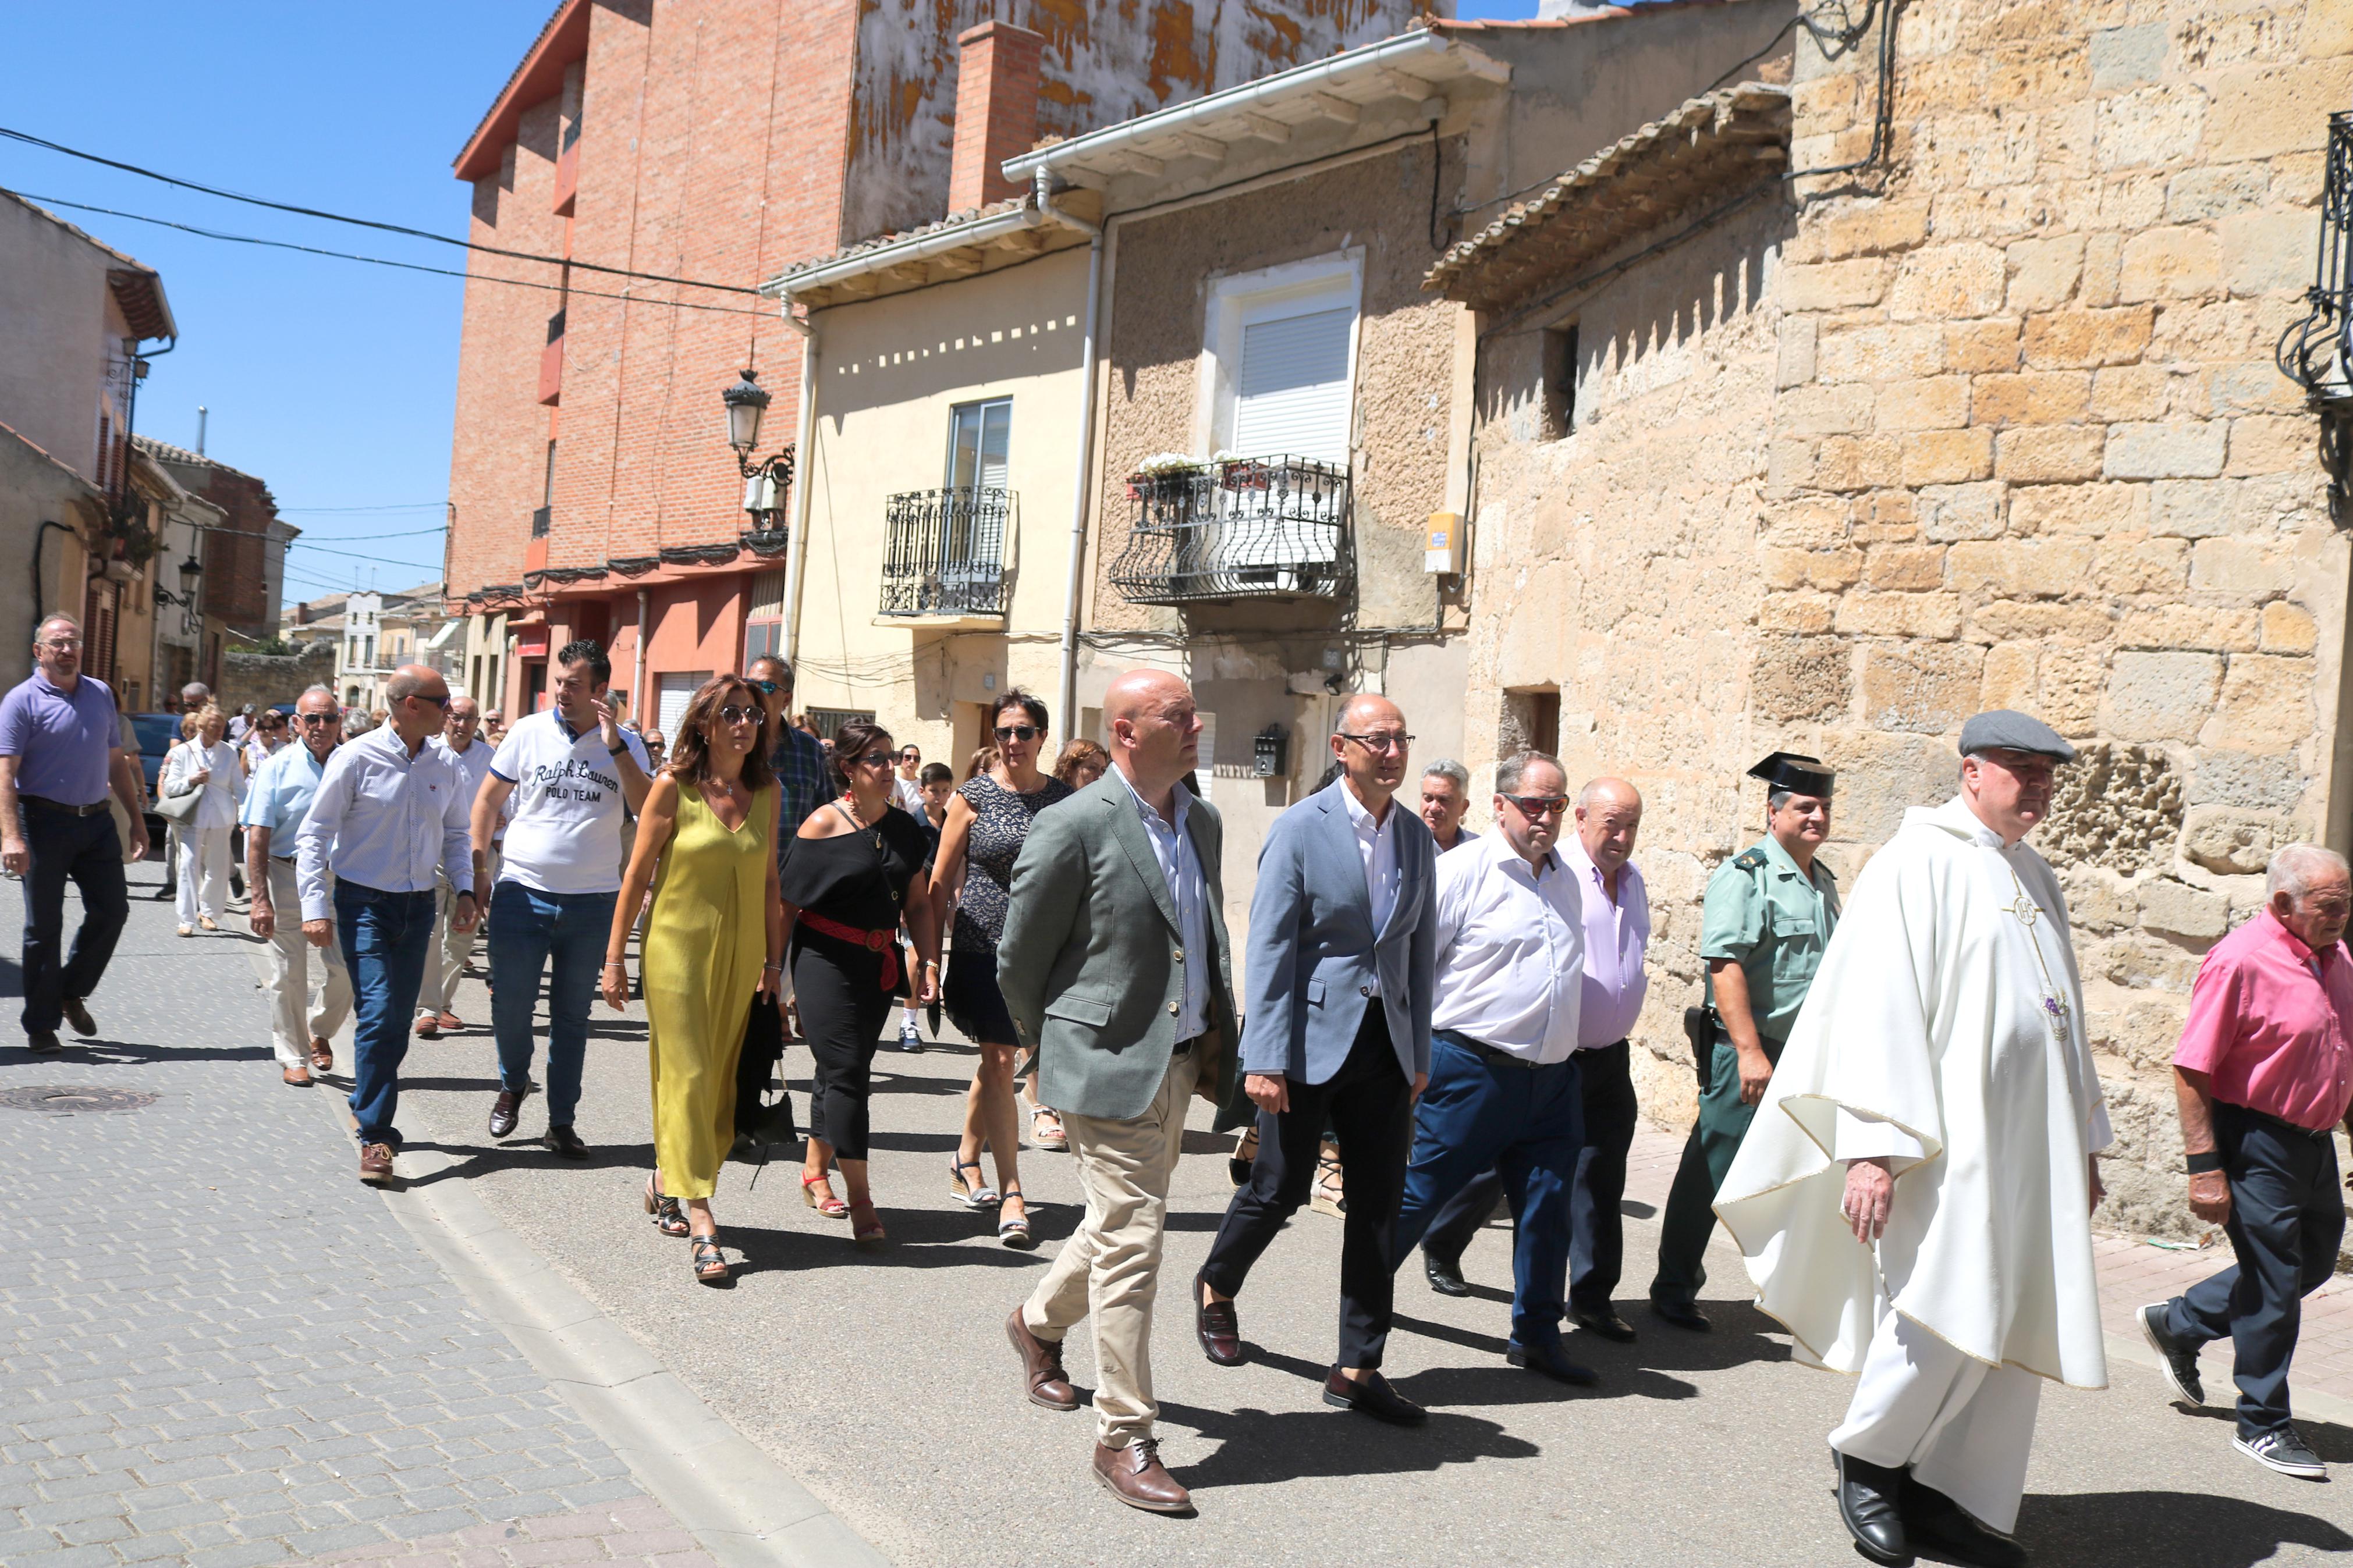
<point>317,717</point>
<point>1383,744</point>
<point>871,760</point>
<point>442,702</point>
<point>766,687</point>
<point>1018,732</point>
<point>736,713</point>
<point>61,644</point>
<point>1535,806</point>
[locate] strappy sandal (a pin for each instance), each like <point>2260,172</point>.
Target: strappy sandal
<point>869,1233</point>
<point>709,1263</point>
<point>665,1210</point>
<point>1245,1155</point>
<point>1330,1195</point>
<point>1046,1131</point>
<point>828,1205</point>
<point>971,1195</point>
<point>1013,1231</point>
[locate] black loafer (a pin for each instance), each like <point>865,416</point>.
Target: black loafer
<point>77,1014</point>
<point>1604,1321</point>
<point>506,1111</point>
<point>43,1042</point>
<point>1550,1360</point>
<point>1937,1525</point>
<point>1373,1396</point>
<point>1218,1327</point>
<point>1682,1314</point>
<point>1868,1506</point>
<point>1445,1275</point>
<point>567,1143</point>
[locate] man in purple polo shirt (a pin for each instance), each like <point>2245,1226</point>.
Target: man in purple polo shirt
<point>60,750</point>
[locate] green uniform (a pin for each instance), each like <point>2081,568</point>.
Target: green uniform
<point>1766,915</point>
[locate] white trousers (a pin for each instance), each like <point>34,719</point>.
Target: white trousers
<point>444,964</point>
<point>204,854</point>
<point>1962,1425</point>
<point>295,1012</point>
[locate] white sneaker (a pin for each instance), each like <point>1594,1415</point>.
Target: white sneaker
<point>2283,1451</point>
<point>909,1040</point>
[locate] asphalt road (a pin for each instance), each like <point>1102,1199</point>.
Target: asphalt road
<point>885,1383</point>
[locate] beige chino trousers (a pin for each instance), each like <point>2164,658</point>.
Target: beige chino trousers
<point>445,963</point>
<point>1110,1269</point>
<point>294,1014</point>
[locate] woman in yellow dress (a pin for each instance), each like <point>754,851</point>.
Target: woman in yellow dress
<point>713,945</point>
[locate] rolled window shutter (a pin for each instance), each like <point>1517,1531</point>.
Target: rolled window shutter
<point>1291,397</point>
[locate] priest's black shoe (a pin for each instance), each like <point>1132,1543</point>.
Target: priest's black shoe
<point>1550,1360</point>
<point>1445,1275</point>
<point>1682,1314</point>
<point>567,1143</point>
<point>1604,1322</point>
<point>506,1111</point>
<point>1373,1396</point>
<point>1868,1506</point>
<point>1936,1524</point>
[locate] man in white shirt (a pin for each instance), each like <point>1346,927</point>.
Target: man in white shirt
<point>1599,855</point>
<point>907,786</point>
<point>470,755</point>
<point>1336,1030</point>
<point>1505,1089</point>
<point>567,769</point>
<point>1445,796</point>
<point>276,802</point>
<point>387,818</point>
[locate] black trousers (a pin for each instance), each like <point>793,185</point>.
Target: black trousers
<point>88,852</point>
<point>843,1007</point>
<point>1597,1246</point>
<point>2287,1214</point>
<point>1369,1104</point>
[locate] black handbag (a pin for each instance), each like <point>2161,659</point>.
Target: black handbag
<point>762,1119</point>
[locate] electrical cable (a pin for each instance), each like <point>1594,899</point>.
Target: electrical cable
<point>562,289</point>
<point>33,141</point>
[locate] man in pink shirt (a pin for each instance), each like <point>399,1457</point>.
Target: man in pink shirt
<point>2264,1072</point>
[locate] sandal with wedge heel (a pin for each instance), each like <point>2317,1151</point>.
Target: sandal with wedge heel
<point>866,1233</point>
<point>971,1195</point>
<point>1013,1230</point>
<point>667,1217</point>
<point>829,1205</point>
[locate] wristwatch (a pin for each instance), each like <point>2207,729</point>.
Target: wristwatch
<point>616,751</point>
<point>2206,1163</point>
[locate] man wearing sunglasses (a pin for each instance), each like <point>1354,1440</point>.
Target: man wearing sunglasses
<point>799,760</point>
<point>568,772</point>
<point>1335,1030</point>
<point>276,804</point>
<point>1766,917</point>
<point>388,818</point>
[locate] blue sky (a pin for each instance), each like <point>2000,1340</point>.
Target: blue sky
<point>331,381</point>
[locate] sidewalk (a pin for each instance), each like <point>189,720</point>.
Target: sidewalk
<point>221,1348</point>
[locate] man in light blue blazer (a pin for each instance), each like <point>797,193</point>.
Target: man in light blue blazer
<point>1335,1031</point>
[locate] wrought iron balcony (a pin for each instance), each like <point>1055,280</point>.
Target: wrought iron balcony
<point>1248,528</point>
<point>944,551</point>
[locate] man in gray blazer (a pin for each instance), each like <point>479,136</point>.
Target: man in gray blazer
<point>1342,964</point>
<point>1115,967</point>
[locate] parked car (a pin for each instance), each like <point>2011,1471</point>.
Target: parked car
<point>157,733</point>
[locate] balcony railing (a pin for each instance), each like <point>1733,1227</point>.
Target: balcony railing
<point>1250,527</point>
<point>944,551</point>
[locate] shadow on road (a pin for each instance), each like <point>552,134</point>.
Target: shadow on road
<point>1259,1448</point>
<point>2333,1443</point>
<point>2167,1530</point>
<point>119,1052</point>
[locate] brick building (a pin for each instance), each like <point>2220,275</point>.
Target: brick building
<point>1986,416</point>
<point>723,141</point>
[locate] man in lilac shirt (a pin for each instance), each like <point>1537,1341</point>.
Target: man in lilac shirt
<point>1616,911</point>
<point>2263,1074</point>
<point>60,756</point>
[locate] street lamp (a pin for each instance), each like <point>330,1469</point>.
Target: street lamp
<point>767,479</point>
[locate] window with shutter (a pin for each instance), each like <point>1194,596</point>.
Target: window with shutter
<point>1291,396</point>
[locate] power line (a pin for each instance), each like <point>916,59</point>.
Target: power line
<point>33,141</point>
<point>403,266</point>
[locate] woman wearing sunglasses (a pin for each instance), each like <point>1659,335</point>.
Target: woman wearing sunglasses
<point>711,947</point>
<point>851,876</point>
<point>988,821</point>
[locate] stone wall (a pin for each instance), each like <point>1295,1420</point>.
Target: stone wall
<point>266,680</point>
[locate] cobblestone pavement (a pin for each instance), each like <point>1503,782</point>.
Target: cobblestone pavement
<point>219,1349</point>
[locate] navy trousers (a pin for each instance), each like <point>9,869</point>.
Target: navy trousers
<point>88,852</point>
<point>385,939</point>
<point>1528,1123</point>
<point>2286,1218</point>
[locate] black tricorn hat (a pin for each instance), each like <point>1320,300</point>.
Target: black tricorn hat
<point>1797,774</point>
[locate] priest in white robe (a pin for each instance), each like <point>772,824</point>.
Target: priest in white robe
<point>1918,1216</point>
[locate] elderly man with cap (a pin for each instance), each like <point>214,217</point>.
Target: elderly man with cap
<point>1766,917</point>
<point>1916,1205</point>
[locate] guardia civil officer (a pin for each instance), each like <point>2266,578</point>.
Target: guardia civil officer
<point>1766,918</point>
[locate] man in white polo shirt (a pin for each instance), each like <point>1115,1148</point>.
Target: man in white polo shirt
<point>568,769</point>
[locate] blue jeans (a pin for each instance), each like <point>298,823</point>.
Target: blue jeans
<point>532,931</point>
<point>386,938</point>
<point>1527,1122</point>
<point>87,851</point>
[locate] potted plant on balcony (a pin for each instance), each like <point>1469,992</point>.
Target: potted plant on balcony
<point>1164,476</point>
<point>1237,472</point>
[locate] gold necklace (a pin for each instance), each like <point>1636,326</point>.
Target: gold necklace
<point>2055,1012</point>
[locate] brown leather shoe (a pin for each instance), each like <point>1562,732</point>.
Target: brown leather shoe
<point>428,1026</point>
<point>1042,1366</point>
<point>323,1055</point>
<point>1218,1327</point>
<point>506,1110</point>
<point>297,1077</point>
<point>375,1164</point>
<point>77,1014</point>
<point>1134,1476</point>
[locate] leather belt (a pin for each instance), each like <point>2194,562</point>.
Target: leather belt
<point>1488,1053</point>
<point>2317,1134</point>
<point>60,807</point>
<point>1185,1047</point>
<point>885,943</point>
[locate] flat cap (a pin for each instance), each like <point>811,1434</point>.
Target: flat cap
<point>2006,730</point>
